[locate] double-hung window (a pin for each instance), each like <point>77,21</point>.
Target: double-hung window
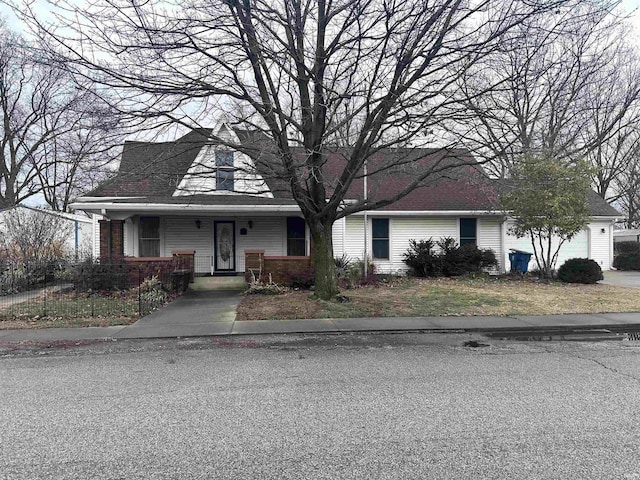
<point>468,231</point>
<point>224,170</point>
<point>149,237</point>
<point>296,246</point>
<point>380,237</point>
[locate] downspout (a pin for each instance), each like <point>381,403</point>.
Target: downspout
<point>366,242</point>
<point>76,238</point>
<point>611,251</point>
<point>503,245</point>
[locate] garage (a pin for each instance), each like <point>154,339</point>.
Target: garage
<point>578,247</point>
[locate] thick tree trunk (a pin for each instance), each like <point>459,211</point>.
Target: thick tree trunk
<point>323,263</point>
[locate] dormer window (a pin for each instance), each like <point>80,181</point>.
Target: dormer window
<point>224,170</point>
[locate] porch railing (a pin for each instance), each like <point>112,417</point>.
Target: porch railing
<point>203,264</point>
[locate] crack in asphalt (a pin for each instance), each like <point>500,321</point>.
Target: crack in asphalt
<point>603,365</point>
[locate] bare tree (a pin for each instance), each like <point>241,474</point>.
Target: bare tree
<point>627,191</point>
<point>614,162</point>
<point>75,162</point>
<point>565,85</point>
<point>53,130</point>
<point>376,73</point>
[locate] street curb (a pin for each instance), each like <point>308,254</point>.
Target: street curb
<point>571,332</point>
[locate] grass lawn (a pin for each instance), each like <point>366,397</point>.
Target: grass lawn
<point>69,310</point>
<point>412,297</point>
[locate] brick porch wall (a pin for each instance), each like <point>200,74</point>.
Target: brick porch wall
<point>145,267</point>
<point>281,268</point>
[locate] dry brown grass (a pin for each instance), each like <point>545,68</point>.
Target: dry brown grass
<point>18,323</point>
<point>448,297</point>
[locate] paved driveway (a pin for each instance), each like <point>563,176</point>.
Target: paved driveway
<point>623,279</point>
<point>197,312</point>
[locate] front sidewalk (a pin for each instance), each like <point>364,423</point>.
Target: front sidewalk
<point>225,325</point>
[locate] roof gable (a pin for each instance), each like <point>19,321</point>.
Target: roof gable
<point>201,176</point>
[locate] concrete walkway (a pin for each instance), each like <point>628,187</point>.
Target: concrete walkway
<point>164,324</point>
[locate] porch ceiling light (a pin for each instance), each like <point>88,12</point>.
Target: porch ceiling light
<point>198,223</point>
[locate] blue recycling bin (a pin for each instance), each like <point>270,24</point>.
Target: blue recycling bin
<point>519,260</point>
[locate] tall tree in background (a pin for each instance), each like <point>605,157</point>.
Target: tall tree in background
<point>565,85</point>
<point>77,161</point>
<point>306,74</point>
<point>53,132</point>
<point>628,188</point>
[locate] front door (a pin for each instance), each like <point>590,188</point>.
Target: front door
<point>224,240</point>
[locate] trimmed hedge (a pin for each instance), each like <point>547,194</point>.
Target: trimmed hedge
<point>627,261</point>
<point>621,248</point>
<point>451,261</point>
<point>580,270</point>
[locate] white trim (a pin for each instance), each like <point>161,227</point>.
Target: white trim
<point>433,213</point>
<point>155,207</point>
<point>611,236</point>
<point>161,228</point>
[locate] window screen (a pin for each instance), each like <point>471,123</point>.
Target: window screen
<point>224,171</point>
<point>149,237</point>
<point>468,229</point>
<point>380,237</point>
<point>295,237</point>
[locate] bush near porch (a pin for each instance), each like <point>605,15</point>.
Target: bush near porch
<point>447,297</point>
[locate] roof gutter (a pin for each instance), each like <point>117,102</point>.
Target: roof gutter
<point>163,207</point>
<point>442,213</point>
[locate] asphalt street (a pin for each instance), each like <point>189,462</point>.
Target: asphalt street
<point>332,406</point>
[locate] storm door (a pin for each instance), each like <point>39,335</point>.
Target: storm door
<point>224,240</point>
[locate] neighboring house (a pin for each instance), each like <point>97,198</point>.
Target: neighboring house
<point>626,236</point>
<point>77,230</point>
<point>192,196</point>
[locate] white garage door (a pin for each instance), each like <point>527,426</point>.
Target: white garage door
<point>578,247</point>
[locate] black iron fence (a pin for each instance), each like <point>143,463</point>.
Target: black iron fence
<point>65,290</point>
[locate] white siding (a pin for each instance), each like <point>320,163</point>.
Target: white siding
<point>401,230</point>
<point>85,239</point>
<point>96,234</point>
<point>337,237</point>
<point>490,236</point>
<point>268,234</point>
<point>354,237</point>
<point>601,243</point>
<point>181,233</point>
<point>129,242</point>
